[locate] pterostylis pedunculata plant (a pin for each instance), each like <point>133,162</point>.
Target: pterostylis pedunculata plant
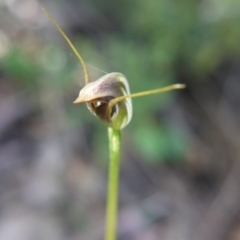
<point>109,99</point>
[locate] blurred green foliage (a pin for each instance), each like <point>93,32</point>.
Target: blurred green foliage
<point>157,39</point>
<point>149,43</point>
<point>19,66</point>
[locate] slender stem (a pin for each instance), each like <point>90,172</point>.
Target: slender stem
<point>113,177</point>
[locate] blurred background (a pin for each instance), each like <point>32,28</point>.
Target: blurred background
<point>180,169</point>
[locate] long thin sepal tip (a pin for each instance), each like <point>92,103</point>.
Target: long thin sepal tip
<point>180,86</point>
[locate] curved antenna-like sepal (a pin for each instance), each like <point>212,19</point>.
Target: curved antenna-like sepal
<point>86,74</point>
<point>146,93</point>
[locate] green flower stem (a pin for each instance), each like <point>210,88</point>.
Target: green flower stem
<point>113,179</point>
